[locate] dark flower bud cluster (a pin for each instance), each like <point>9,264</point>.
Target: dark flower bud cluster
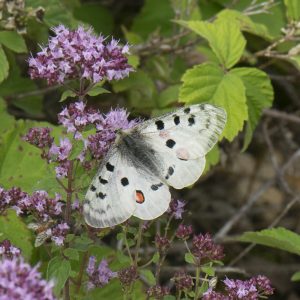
<point>127,276</point>
<point>14,198</point>
<point>39,137</point>
<point>184,231</point>
<point>158,292</point>
<point>176,208</point>
<point>18,280</point>
<point>183,281</point>
<point>79,54</point>
<point>205,248</point>
<point>162,243</point>
<point>7,250</point>
<point>98,276</point>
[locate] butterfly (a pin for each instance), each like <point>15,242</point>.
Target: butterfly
<point>134,177</point>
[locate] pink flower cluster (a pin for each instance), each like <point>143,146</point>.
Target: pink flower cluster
<point>7,250</point>
<point>79,54</point>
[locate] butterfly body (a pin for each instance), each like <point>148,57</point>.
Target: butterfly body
<point>135,175</point>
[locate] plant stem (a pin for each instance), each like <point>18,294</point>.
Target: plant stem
<point>127,245</point>
<point>138,243</point>
<point>80,275</point>
<point>197,282</point>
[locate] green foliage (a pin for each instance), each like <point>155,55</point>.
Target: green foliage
<point>208,83</point>
<point>293,10</point>
<point>59,271</point>
<point>4,65</point>
<point>13,41</point>
<point>224,37</point>
<point>14,229</point>
<point>279,238</point>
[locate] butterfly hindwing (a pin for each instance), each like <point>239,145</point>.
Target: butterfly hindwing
<point>109,200</point>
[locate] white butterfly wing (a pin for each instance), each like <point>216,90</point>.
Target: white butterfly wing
<point>182,139</point>
<point>109,199</point>
<point>190,132</point>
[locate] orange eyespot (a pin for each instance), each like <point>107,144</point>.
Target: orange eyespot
<point>139,197</point>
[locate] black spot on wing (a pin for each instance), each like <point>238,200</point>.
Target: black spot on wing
<point>191,120</point>
<point>93,188</point>
<point>170,143</point>
<point>101,195</point>
<point>124,181</point>
<point>155,187</point>
<point>187,110</point>
<point>160,125</point>
<point>110,167</point>
<point>102,181</point>
<point>170,172</point>
<point>176,120</point>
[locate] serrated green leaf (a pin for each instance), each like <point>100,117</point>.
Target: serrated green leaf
<point>292,9</point>
<point>148,275</point>
<point>259,93</point>
<point>71,254</point>
<point>208,83</point>
<point>13,41</point>
<point>4,67</point>
<point>279,238</point>
<point>66,94</point>
<point>77,148</point>
<point>97,90</point>
<point>168,96</point>
<point>296,276</point>
<point>13,229</point>
<point>245,23</point>
<point>59,271</point>
<point>224,37</point>
<point>189,258</point>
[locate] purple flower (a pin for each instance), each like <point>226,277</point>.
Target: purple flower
<point>183,281</point>
<point>79,54</point>
<point>18,280</point>
<point>62,151</point>
<point>158,292</point>
<point>162,243</point>
<point>183,232</point>
<point>7,250</point>
<point>205,248</point>
<point>98,277</point>
<point>212,295</point>
<point>176,208</point>
<point>128,275</point>
<point>39,137</point>
<point>59,232</point>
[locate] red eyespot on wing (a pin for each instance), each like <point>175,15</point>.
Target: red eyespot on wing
<point>139,197</point>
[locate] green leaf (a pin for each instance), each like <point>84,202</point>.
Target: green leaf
<point>245,23</point>
<point>155,257</point>
<point>296,276</point>
<point>259,93</point>
<point>148,275</point>
<point>13,41</point>
<point>208,83</point>
<point>4,67</point>
<point>71,254</point>
<point>96,15</point>
<point>292,9</point>
<point>168,96</point>
<point>151,18</point>
<point>122,258</point>
<point>58,270</point>
<point>7,121</point>
<point>13,229</point>
<point>279,238</point>
<point>66,94</point>
<point>224,37</point>
<point>189,258</point>
<point>212,158</point>
<point>77,148</point>
<point>97,90</point>
<point>210,271</point>
<point>20,163</point>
